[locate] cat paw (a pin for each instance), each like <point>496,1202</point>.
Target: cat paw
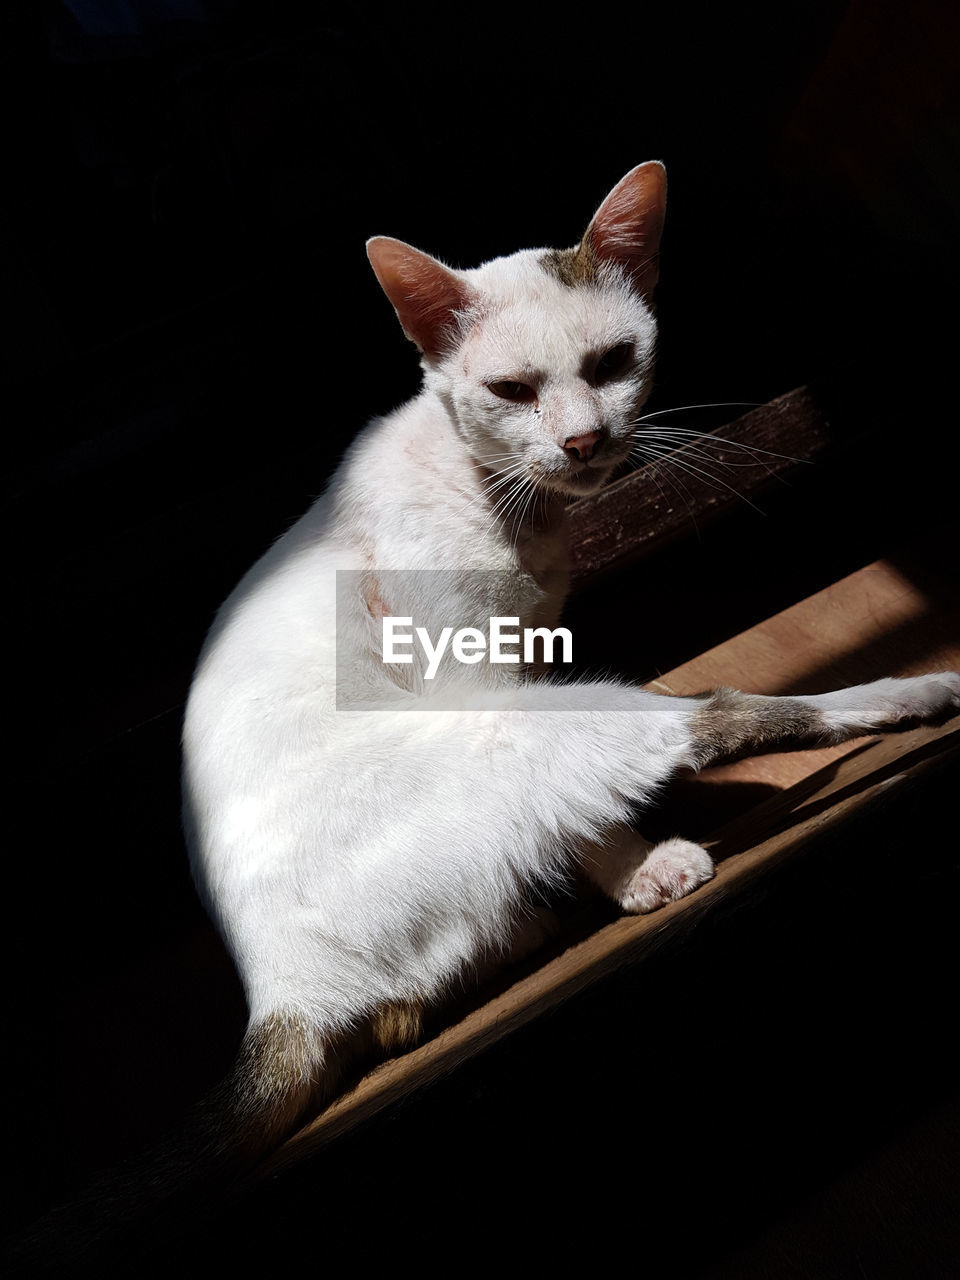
<point>670,871</point>
<point>933,697</point>
<point>898,703</point>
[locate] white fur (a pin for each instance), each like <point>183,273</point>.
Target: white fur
<point>354,857</point>
<point>887,703</point>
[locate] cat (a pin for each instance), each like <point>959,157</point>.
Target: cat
<point>365,838</point>
<point>359,860</point>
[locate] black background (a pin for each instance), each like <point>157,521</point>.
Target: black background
<point>194,334</point>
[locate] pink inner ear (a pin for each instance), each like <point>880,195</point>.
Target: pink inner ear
<point>626,228</point>
<point>424,293</point>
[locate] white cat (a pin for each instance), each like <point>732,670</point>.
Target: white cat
<point>363,837</point>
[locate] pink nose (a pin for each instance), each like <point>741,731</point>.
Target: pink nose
<point>582,447</point>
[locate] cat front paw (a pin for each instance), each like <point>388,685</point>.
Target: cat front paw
<point>670,871</point>
<point>895,703</point>
<point>933,697</point>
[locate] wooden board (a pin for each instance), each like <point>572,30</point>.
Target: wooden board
<point>849,633</point>
<point>836,633</point>
<point>701,481</point>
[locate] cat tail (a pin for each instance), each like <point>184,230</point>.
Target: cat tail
<point>112,1225</point>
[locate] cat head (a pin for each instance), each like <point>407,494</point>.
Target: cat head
<point>543,358</point>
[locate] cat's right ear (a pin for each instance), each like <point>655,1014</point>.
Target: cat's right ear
<point>426,295</point>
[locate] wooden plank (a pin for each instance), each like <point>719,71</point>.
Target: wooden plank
<point>698,483</point>
<point>834,626</point>
<point>850,632</point>
<point>893,762</point>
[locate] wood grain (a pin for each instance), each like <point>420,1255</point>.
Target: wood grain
<point>656,503</point>
<point>892,763</point>
<point>813,792</point>
<point>843,635</point>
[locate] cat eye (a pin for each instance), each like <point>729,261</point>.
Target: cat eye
<point>519,392</point>
<point>613,362</point>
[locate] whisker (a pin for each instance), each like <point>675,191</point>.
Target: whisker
<point>713,404</point>
<point>675,458</point>
<point>688,444</point>
<point>708,460</point>
<point>680,432</point>
<point>493,504</point>
<point>506,500</point>
<point>675,484</point>
<point>514,514</point>
<point>531,497</point>
<point>497,481</point>
<point>690,448</point>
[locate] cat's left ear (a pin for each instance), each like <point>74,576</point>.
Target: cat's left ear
<point>426,295</point>
<point>626,228</point>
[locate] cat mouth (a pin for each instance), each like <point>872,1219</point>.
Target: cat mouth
<point>578,477</point>
<point>580,480</point>
<point>582,476</point>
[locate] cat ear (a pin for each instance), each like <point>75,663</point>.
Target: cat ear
<point>626,228</point>
<point>425,294</point>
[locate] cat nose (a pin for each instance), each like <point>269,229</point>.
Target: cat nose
<point>582,447</point>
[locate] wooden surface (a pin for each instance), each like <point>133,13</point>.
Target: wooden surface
<point>833,634</point>
<point>846,634</point>
<point>700,481</point>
